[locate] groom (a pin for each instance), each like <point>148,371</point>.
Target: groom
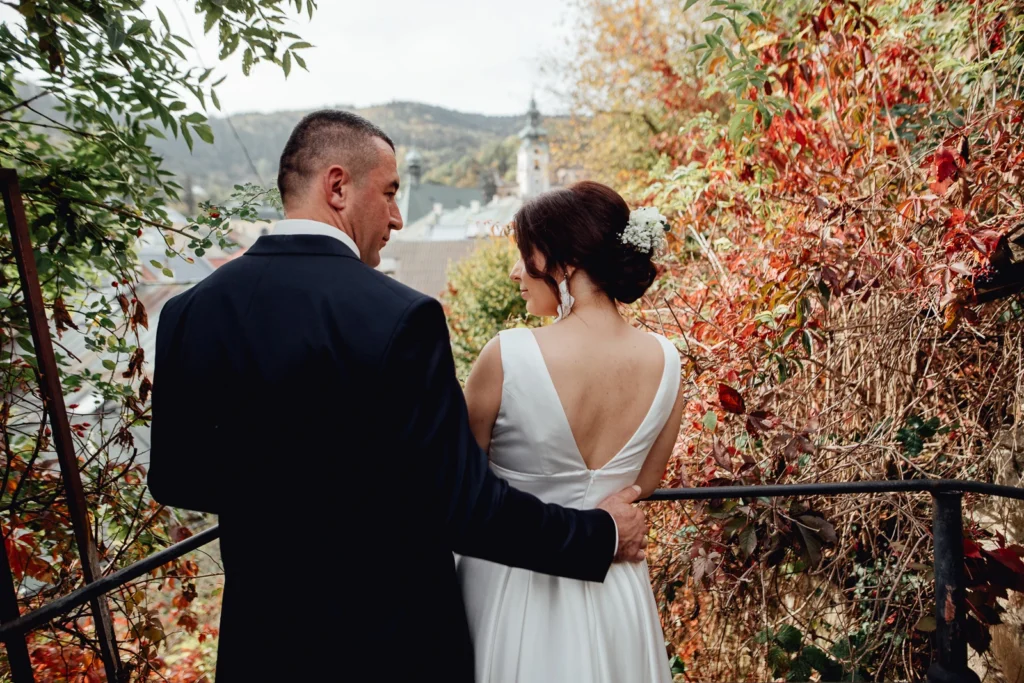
<point>311,402</point>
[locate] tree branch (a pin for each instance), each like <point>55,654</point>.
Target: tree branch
<point>30,100</point>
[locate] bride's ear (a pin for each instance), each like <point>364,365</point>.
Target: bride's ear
<point>569,270</point>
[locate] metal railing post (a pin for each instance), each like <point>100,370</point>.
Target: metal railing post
<point>949,663</point>
<point>17,647</point>
<point>53,402</point>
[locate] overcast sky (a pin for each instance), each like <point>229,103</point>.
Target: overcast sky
<point>485,56</point>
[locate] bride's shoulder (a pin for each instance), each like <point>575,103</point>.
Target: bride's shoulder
<point>487,372</point>
<point>489,363</point>
<point>667,344</point>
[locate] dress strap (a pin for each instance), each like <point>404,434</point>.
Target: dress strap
<point>670,376</point>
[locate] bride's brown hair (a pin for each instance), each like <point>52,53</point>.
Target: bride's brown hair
<point>581,226</point>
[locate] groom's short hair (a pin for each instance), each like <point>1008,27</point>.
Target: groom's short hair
<point>322,138</point>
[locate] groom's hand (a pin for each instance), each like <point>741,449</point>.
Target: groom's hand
<point>630,522</point>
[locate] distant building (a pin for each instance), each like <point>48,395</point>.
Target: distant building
<point>417,198</point>
<point>420,254</point>
<point>534,158</point>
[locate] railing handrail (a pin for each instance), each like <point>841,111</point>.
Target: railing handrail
<point>63,605</point>
<point>840,488</point>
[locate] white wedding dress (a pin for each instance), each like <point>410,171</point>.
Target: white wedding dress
<point>534,628</point>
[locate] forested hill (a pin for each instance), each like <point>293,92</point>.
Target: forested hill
<point>443,137</point>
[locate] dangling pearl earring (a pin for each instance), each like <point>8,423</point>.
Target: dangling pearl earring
<point>567,301</point>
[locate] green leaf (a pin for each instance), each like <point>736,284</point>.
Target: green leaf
<point>286,64</point>
<point>778,660</point>
<point>204,132</point>
<point>710,420</point>
<point>677,666</point>
<point>115,35</point>
<point>188,137</point>
<point>926,624</point>
<point>163,20</point>
<point>748,541</point>
<point>25,344</point>
<point>755,18</point>
<point>140,26</point>
<point>301,45</point>
<point>842,649</point>
<point>5,302</point>
<point>799,670</point>
<point>819,661</point>
<point>789,637</point>
<point>109,364</point>
<point>211,18</point>
<point>167,272</point>
<point>216,102</point>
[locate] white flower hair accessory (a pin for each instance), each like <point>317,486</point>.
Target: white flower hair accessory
<point>646,230</point>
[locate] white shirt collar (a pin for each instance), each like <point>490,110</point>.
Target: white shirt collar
<point>304,226</point>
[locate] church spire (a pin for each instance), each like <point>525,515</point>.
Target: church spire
<point>532,172</point>
<point>414,166</point>
<point>533,129</point>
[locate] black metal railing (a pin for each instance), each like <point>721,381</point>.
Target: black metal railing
<point>950,659</point>
<point>950,648</point>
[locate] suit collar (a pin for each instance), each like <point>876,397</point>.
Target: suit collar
<point>305,226</point>
<point>300,245</point>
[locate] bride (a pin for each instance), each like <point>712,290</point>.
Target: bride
<point>573,412</point>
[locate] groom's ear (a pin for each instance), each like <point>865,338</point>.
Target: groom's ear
<point>337,185</point>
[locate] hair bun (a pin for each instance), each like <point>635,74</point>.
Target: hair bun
<point>630,275</point>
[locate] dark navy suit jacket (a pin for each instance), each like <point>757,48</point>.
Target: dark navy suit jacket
<point>311,402</point>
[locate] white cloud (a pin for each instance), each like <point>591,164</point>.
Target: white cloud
<point>472,55</point>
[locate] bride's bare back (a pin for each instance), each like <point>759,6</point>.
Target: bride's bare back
<point>606,375</point>
<point>605,383</point>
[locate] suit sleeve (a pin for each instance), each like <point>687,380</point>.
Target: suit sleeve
<point>185,455</point>
<point>482,515</point>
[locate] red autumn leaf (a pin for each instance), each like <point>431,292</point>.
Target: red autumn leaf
<point>907,209</point>
<point>145,386</point>
<point>972,549</point>
<point>761,422</point>
<point>945,165</point>
<point>139,316</point>
<point>797,445</point>
<point>1008,558</point>
<point>188,622</point>
<point>731,399</point>
<point>956,217</point>
<point>721,455</point>
<point>987,241</point>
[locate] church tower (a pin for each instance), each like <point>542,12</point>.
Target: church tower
<point>533,161</point>
<point>414,167</point>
